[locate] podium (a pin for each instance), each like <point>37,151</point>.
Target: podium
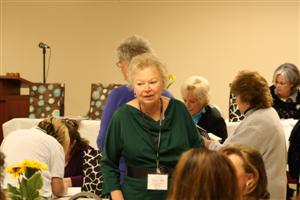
<point>12,103</point>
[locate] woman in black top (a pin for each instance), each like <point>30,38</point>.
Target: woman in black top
<point>195,93</point>
<point>285,91</point>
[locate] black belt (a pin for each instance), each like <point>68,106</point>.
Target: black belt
<point>137,172</point>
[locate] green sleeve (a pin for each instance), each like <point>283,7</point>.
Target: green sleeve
<point>111,156</point>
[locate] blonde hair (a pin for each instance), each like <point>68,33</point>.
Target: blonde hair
<point>199,86</point>
<point>143,61</point>
<point>57,129</point>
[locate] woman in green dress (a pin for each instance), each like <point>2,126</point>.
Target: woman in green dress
<point>150,132</point>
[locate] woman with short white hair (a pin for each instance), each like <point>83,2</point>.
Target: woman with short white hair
<point>195,92</point>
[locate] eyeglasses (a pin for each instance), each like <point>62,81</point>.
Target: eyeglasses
<point>281,83</point>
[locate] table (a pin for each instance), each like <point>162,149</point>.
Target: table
<point>71,191</point>
<point>88,129</point>
<point>287,124</point>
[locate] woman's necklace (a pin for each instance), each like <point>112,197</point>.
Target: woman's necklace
<point>159,133</point>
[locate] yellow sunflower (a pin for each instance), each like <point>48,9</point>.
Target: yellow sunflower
<point>15,170</point>
<point>34,165</point>
<point>171,80</point>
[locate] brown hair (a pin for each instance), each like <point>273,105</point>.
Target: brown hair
<point>252,88</point>
<point>254,164</point>
<point>57,129</point>
<point>204,174</point>
<point>80,143</point>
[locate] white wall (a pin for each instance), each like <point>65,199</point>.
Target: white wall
<point>214,39</point>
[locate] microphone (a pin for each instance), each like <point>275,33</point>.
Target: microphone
<point>43,45</point>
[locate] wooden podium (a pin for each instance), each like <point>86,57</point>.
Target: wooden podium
<point>12,103</point>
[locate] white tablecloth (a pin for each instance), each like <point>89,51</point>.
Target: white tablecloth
<point>287,125</point>
<point>71,192</point>
<point>88,129</point>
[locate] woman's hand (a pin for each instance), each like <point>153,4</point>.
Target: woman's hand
<point>206,142</point>
<point>67,182</point>
<point>117,195</point>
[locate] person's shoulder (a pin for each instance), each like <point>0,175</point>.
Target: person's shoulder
<point>269,110</point>
<point>123,110</point>
<point>214,112</point>
<point>120,95</point>
<point>177,104</point>
<point>43,137</point>
<point>167,93</point>
<point>264,116</point>
<point>121,90</point>
<point>24,133</point>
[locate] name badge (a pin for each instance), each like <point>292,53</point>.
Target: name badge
<point>157,182</point>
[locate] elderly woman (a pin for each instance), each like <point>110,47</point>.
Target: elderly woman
<point>250,171</point>
<point>129,48</point>
<point>195,93</point>
<point>261,128</point>
<point>132,46</point>
<point>285,92</point>
<point>47,144</point>
<point>150,132</point>
<point>204,174</point>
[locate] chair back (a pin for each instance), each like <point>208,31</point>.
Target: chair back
<point>46,99</point>
<point>234,113</point>
<point>99,94</point>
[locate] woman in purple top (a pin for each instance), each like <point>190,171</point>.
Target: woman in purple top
<point>74,157</point>
<point>132,46</point>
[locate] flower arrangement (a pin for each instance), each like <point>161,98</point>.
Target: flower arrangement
<point>30,180</point>
<point>171,80</point>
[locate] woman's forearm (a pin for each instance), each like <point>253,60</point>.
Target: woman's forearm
<point>117,195</point>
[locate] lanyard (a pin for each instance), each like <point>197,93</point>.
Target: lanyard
<point>159,134</point>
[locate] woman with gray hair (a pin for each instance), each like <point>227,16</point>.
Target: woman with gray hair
<point>196,95</point>
<point>150,132</point>
<point>285,92</point>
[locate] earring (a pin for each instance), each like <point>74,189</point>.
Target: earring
<point>248,183</point>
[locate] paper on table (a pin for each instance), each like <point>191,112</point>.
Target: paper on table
<point>214,137</point>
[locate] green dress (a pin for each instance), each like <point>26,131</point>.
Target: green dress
<point>128,136</point>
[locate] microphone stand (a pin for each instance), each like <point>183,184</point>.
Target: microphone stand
<point>44,65</point>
